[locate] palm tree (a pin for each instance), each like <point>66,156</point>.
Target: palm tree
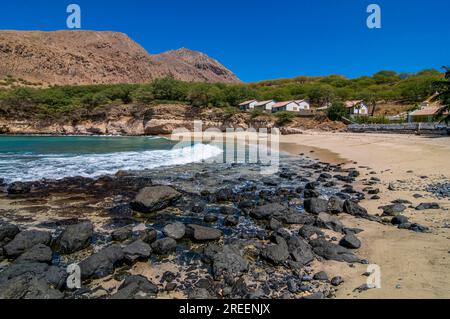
<point>443,88</point>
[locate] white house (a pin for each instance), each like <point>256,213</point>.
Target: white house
<point>265,106</point>
<point>357,107</point>
<point>303,104</point>
<point>248,105</point>
<point>290,106</point>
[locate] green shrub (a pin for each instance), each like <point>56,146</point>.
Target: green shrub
<point>337,111</point>
<point>284,117</point>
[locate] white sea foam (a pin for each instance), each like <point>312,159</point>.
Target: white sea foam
<point>54,166</point>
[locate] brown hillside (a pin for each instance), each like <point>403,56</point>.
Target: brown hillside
<point>92,57</point>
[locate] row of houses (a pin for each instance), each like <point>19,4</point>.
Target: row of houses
<point>357,107</point>
<point>271,106</point>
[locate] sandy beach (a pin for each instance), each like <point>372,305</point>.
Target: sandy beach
<point>412,265</point>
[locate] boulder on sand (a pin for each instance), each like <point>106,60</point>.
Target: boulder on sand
<point>137,250</point>
<point>24,241</point>
<point>330,251</point>
<point>154,198</point>
<point>101,264</point>
<point>75,237</point>
<point>39,253</point>
<point>350,241</point>
<point>175,230</point>
<point>201,233</point>
<point>164,246</point>
<point>316,205</point>
<point>7,233</point>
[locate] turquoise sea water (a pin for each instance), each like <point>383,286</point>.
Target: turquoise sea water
<point>31,158</point>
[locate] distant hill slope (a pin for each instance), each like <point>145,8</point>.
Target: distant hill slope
<point>94,57</point>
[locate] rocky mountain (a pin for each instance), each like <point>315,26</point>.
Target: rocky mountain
<point>94,57</point>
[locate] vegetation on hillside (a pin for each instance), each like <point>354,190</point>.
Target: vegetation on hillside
<point>57,101</point>
<point>443,88</point>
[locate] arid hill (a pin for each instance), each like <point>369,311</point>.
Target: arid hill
<point>91,57</point>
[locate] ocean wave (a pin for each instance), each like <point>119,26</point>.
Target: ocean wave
<point>54,166</point>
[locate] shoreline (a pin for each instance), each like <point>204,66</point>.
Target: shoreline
<point>413,265</point>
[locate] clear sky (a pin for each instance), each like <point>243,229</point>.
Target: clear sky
<point>265,39</point>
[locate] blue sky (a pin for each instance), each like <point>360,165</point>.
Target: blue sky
<point>265,39</point>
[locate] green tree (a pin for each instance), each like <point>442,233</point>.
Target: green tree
<point>337,111</point>
<point>443,88</point>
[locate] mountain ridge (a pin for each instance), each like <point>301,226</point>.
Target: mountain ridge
<point>69,57</point>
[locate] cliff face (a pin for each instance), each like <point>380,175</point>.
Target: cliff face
<point>137,120</point>
<point>91,57</point>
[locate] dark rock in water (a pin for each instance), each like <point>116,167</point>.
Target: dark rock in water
<point>350,241</point>
<point>224,195</point>
<point>335,205</point>
<point>25,240</point>
<point>122,234</point>
<point>393,210</point>
<point>51,275</point>
<point>322,276</point>
<point>102,263</point>
<point>164,246</point>
<point>337,281</point>
<point>346,179</point>
<point>276,254</point>
<point>137,250</point>
<point>300,250</point>
<point>7,233</point>
<point>136,287</point>
<point>155,198</point>
<point>231,221</point>
<point>352,208</point>
<point>328,221</point>
<point>310,193</point>
<point>332,251</point>
<point>202,234</point>
<point>275,224</point>
<point>424,206</point>
<point>309,231</point>
<point>325,176</point>
<point>210,218</point>
<point>267,211</point>
<point>311,185</point>
<point>399,219</point>
<point>75,237</point>
<point>28,287</point>
<point>148,235</point>
<point>316,205</point>
<point>175,230</point>
<point>18,188</point>
<point>39,253</point>
<point>229,261</point>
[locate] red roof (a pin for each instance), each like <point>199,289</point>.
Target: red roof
<point>426,111</point>
<point>282,104</point>
<point>350,104</point>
